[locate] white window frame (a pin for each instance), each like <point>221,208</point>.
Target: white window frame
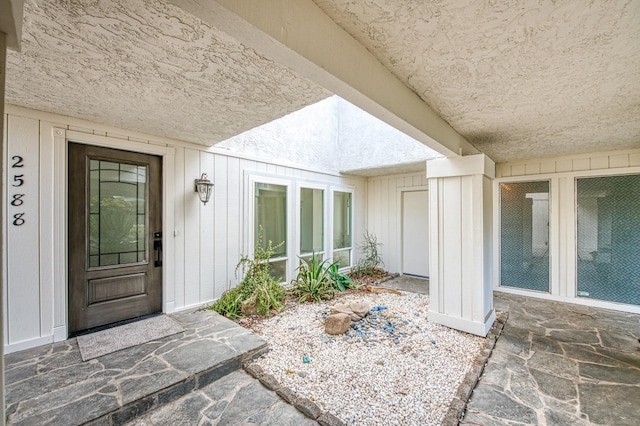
<point>498,234</point>
<point>325,217</point>
<point>253,179</point>
<point>330,248</point>
<point>294,187</point>
<point>577,177</point>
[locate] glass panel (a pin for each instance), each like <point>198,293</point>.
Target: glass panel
<point>109,171</point>
<point>341,220</point>
<point>117,218</point>
<point>142,190</point>
<point>131,257</point>
<point>278,270</point>
<point>524,249</point>
<point>141,239</point>
<point>271,214</point>
<point>307,258</point>
<point>94,226</point>
<point>608,238</point>
<point>94,195</point>
<point>342,257</point>
<point>129,173</point>
<point>311,220</point>
<point>108,259</point>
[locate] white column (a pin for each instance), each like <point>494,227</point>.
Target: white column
<point>460,224</point>
<point>10,37</point>
<point>3,63</point>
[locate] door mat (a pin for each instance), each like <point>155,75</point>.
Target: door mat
<point>104,342</point>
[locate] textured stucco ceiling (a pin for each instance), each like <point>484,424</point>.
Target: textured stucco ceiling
<point>519,79</point>
<point>148,66</point>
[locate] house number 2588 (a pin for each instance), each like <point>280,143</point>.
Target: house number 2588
<point>17,182</point>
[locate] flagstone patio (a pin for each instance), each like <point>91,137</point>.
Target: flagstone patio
<point>51,385</point>
<point>560,364</point>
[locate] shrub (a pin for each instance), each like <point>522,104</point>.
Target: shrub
<point>319,280</point>
<point>230,303</point>
<point>257,283</point>
<point>313,281</point>
<point>269,295</point>
<point>371,260</point>
<point>339,280</point>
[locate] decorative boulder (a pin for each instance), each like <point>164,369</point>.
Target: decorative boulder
<point>337,323</point>
<point>356,310</point>
<point>359,308</point>
<point>249,307</point>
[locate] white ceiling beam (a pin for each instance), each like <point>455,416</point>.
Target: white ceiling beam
<point>299,35</point>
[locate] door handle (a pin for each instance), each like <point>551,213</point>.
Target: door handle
<point>157,246</point>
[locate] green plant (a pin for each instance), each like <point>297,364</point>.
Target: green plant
<point>257,283</point>
<point>339,280</point>
<point>269,295</point>
<point>313,281</point>
<point>371,260</point>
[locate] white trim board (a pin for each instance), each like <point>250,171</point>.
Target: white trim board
<point>81,126</point>
<point>620,307</point>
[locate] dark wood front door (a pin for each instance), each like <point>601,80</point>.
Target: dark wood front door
<point>115,238</point>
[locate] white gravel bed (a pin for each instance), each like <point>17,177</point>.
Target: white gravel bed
<point>408,377</point>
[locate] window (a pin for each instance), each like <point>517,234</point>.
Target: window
<point>524,239</point>
<point>608,238</point>
<point>271,215</point>
<point>311,223</point>
<point>342,238</point>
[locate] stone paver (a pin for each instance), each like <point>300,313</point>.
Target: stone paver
<point>408,283</point>
<point>235,399</point>
<point>560,364</point>
<point>52,385</point>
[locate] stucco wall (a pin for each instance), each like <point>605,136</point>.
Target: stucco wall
<point>307,137</point>
<point>331,135</point>
<point>366,142</point>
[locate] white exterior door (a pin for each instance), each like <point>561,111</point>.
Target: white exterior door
<point>415,233</point>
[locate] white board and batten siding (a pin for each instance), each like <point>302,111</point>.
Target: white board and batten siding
<point>202,244</point>
<point>22,227</point>
<point>385,214</point>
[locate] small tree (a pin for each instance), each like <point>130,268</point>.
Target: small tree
<point>371,260</point>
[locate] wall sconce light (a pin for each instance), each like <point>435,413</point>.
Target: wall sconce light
<point>203,188</point>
